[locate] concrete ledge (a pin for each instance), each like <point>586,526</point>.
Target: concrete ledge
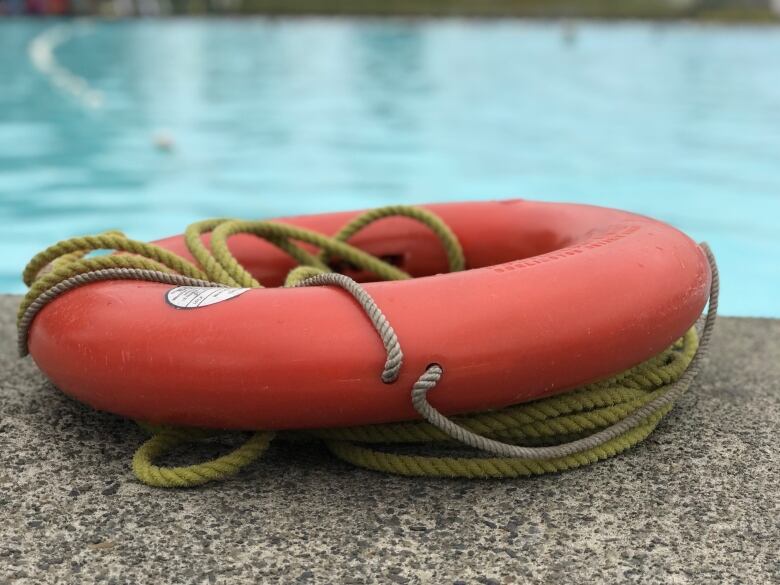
<point>697,502</point>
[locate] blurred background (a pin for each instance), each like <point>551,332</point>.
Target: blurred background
<point>115,119</point>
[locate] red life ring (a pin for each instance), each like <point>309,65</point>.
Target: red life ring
<point>556,296</point>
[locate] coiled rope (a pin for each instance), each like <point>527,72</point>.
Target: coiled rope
<point>548,435</point>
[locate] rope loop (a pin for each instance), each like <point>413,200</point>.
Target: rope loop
<point>219,468</point>
<point>448,239</point>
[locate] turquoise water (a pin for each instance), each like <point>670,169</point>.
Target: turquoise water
<point>276,117</point>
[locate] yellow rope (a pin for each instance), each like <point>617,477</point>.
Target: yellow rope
<point>486,467</point>
<point>164,440</point>
<point>448,239</point>
<point>548,421</point>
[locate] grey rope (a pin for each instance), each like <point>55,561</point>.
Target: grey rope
<point>95,276</point>
<point>433,374</point>
<point>389,339</point>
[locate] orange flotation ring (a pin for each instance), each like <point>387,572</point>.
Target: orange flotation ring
<point>555,296</point>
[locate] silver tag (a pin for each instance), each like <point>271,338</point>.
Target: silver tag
<point>195,297</point>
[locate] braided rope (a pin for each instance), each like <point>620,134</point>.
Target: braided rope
<point>589,408</point>
<point>200,473</point>
<point>448,239</point>
<point>192,239</point>
<point>110,241</point>
<point>35,306</point>
<point>279,235</point>
<point>58,273</point>
<point>487,467</point>
<point>395,356</point>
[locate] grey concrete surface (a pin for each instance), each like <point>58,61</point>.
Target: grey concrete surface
<point>698,502</point>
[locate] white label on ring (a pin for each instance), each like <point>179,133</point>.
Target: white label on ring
<point>195,297</point>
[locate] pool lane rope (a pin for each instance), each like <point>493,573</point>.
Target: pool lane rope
<point>42,54</point>
<point>552,434</point>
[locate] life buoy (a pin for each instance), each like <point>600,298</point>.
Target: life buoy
<point>555,296</point>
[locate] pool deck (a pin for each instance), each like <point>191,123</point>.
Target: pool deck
<point>698,502</point>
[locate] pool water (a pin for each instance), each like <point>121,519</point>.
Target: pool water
<point>146,126</point>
